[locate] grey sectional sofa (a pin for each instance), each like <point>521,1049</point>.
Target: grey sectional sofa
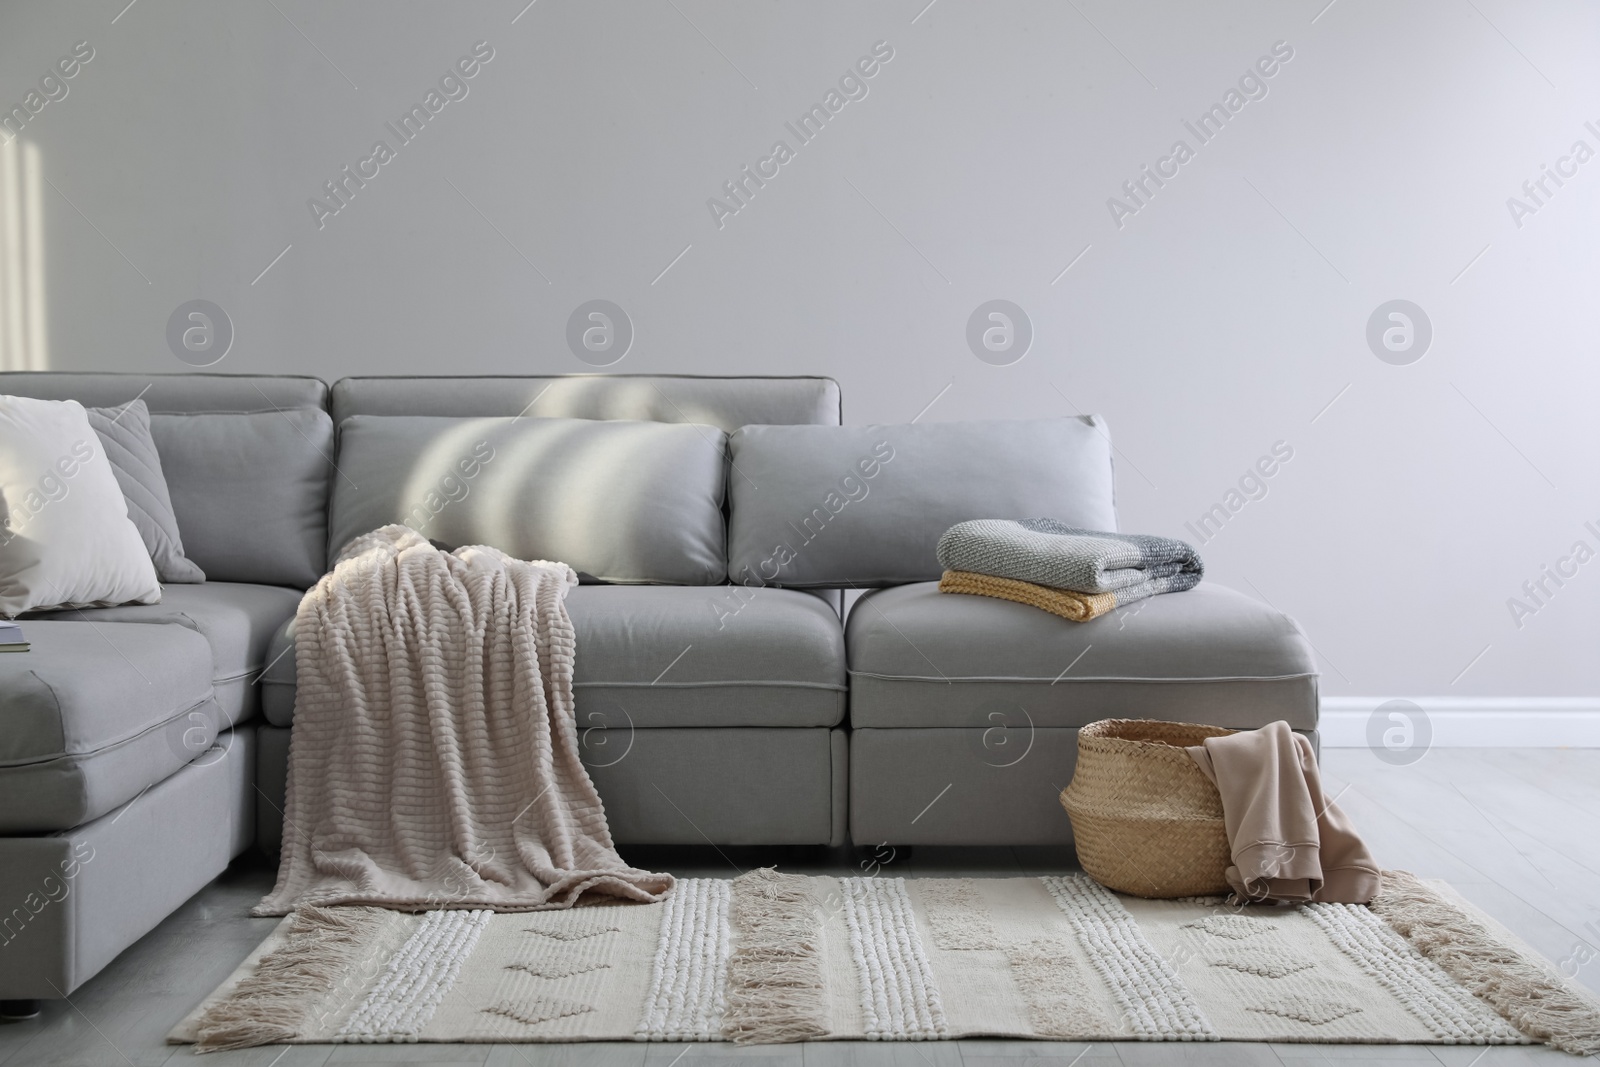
<point>144,747</point>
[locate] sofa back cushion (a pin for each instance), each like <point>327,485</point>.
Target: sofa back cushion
<point>727,403</point>
<point>247,459</point>
<point>826,507</point>
<point>625,501</point>
<point>250,490</point>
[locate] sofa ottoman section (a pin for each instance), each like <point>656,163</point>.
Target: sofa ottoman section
<point>922,658</point>
<point>965,709</point>
<point>977,786</point>
<point>997,785</point>
<point>117,721</point>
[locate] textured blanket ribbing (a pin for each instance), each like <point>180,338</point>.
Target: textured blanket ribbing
<point>1078,607</point>
<point>1047,552</point>
<point>434,758</point>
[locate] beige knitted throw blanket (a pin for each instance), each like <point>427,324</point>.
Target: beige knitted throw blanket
<point>434,758</point>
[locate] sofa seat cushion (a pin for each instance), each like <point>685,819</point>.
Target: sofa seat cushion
<point>679,656</point>
<point>96,712</point>
<point>237,620</point>
<point>921,658</point>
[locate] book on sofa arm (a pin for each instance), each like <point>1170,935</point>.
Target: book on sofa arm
<point>11,639</point>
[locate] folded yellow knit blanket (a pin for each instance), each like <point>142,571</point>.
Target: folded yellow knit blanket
<point>1079,607</point>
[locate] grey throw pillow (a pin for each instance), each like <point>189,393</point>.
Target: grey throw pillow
<point>124,433</point>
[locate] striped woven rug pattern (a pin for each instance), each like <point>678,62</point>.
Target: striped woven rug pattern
<point>770,957</point>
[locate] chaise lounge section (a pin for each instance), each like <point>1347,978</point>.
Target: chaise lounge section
<point>977,702</point>
<point>127,766</point>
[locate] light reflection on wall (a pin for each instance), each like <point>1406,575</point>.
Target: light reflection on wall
<point>23,341</point>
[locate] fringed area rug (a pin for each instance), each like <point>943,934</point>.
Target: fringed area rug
<point>771,957</point>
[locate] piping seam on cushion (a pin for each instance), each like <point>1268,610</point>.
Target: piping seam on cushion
<point>209,698</point>
<point>1079,678</point>
<point>710,685</point>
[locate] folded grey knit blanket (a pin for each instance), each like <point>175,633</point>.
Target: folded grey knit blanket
<point>1047,552</point>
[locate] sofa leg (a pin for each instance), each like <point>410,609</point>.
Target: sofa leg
<point>13,1011</point>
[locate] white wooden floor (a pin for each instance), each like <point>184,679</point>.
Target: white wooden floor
<point>1517,832</point>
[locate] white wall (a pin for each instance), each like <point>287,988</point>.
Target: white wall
<point>1221,318</point>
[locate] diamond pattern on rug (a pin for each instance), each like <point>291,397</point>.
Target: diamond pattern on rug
<point>1315,1011</point>
<point>572,925</point>
<point>1232,927</point>
<point>1247,944</point>
<point>564,945</point>
<point>536,1010</point>
<point>555,968</point>
<point>1452,1013</point>
<point>1274,962</point>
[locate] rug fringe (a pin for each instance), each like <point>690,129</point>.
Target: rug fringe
<point>775,987</point>
<point>271,1005</point>
<point>1526,992</point>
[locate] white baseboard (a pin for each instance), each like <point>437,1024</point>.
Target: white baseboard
<point>1467,722</point>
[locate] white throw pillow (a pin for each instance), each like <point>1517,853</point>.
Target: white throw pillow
<point>65,536</point>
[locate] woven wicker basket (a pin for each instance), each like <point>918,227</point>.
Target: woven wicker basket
<point>1146,819</point>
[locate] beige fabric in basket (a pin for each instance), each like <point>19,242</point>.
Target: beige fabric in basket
<point>1288,840</point>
